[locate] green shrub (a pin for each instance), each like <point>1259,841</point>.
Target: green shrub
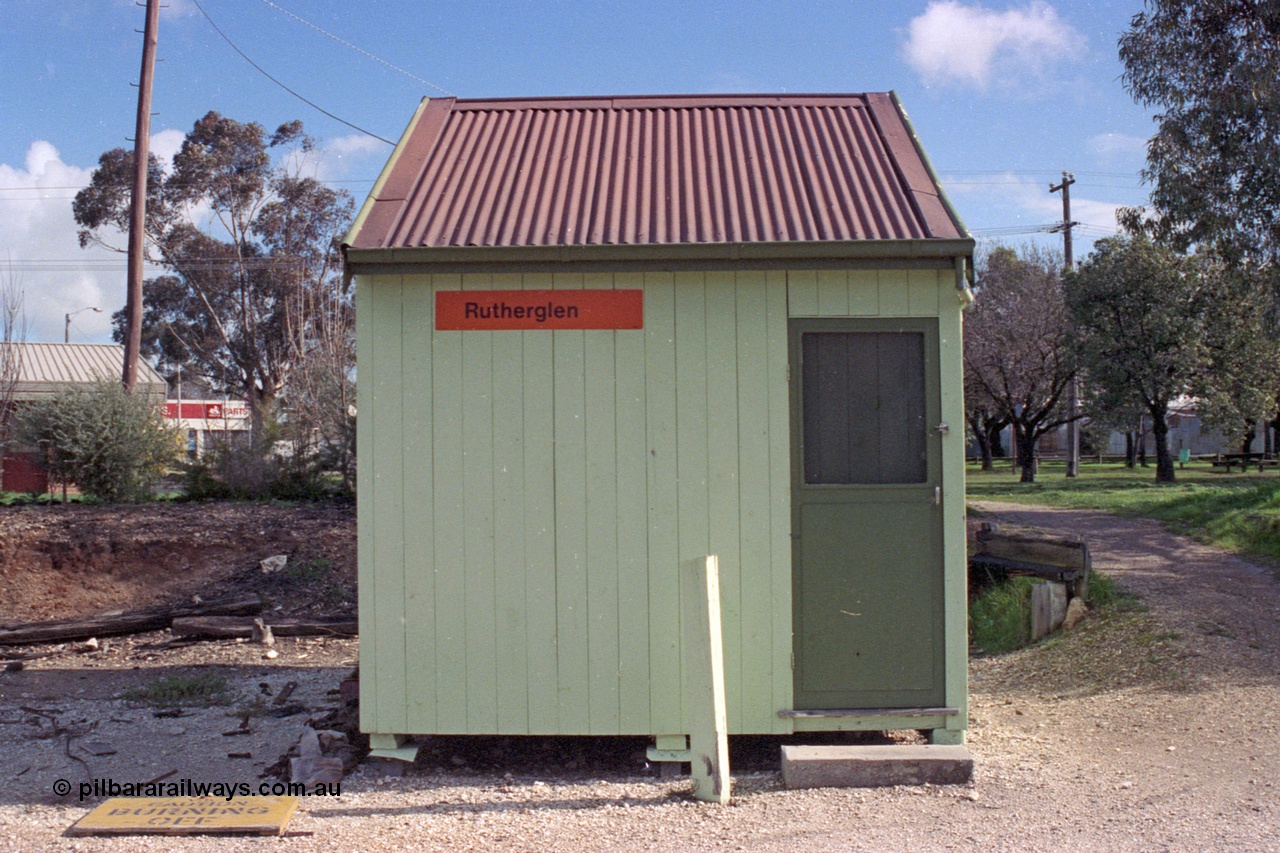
<point>201,484</point>
<point>109,444</point>
<point>1000,618</point>
<point>245,473</point>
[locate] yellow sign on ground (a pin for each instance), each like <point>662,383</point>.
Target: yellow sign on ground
<point>187,815</point>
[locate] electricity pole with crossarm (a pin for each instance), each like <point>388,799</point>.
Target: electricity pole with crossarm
<point>1073,394</point>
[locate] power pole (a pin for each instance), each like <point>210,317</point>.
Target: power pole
<point>1073,393</point>
<point>138,208</point>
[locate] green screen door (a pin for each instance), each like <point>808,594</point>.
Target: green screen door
<point>866,514</point>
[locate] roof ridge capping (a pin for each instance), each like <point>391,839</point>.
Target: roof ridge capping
<point>686,101</point>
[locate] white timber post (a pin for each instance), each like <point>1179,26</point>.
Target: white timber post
<point>704,681</point>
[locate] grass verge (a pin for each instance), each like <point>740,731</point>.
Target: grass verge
<point>205,688</point>
<point>1240,512</point>
<point>1121,644</point>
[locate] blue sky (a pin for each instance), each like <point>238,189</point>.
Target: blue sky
<point>1004,96</point>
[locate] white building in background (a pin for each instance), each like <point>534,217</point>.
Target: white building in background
<point>205,421</point>
<point>1187,431</point>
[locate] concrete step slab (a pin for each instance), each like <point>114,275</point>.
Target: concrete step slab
<point>875,766</point>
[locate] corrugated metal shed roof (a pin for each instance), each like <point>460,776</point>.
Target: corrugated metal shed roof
<point>45,367</point>
<point>640,171</point>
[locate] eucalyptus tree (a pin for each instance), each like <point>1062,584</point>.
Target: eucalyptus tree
<point>240,235</point>
<point>1212,69</point>
<point>1140,316</point>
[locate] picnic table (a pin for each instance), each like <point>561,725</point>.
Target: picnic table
<point>1244,460</point>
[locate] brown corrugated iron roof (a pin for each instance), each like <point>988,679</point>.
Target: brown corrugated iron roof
<point>43,368</point>
<point>635,171</point>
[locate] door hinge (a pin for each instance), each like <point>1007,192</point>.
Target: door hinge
<point>793,660</point>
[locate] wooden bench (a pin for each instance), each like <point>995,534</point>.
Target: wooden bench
<point>1052,558</point>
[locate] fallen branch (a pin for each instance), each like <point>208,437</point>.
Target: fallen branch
<point>226,627</point>
<point>132,622</point>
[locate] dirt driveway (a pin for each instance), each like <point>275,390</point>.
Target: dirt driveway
<point>1152,728</point>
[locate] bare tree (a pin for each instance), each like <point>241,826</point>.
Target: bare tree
<point>1017,362</point>
<point>320,397</point>
<point>13,331</point>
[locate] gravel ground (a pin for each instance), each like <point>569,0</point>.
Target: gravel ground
<point>1152,727</point>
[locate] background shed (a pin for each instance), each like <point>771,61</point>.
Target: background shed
<point>529,487</point>
<point>41,370</point>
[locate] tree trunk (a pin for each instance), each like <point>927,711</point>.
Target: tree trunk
<point>980,437</point>
<point>994,428</point>
<point>262,405</point>
<point>1165,472</point>
<point>984,448</point>
<point>1026,453</point>
<point>1250,432</point>
<point>1142,445</point>
<point>1130,450</point>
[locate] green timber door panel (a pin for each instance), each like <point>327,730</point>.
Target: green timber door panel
<point>866,514</point>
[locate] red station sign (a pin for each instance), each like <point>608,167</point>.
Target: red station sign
<point>539,309</point>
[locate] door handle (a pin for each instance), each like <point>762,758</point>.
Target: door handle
<point>943,429</point>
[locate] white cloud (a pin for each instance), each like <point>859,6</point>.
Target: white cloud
<point>354,153</point>
<point>971,45</point>
<point>1015,207</point>
<point>39,248</point>
<point>165,144</point>
<point>1117,147</point>
<point>39,244</point>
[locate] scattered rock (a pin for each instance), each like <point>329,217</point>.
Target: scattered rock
<point>98,747</point>
<point>387,768</point>
<point>273,564</point>
<point>262,634</point>
<point>312,767</point>
<point>1076,611</point>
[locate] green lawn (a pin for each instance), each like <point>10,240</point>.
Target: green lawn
<point>1236,511</point>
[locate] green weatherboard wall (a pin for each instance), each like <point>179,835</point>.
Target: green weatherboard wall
<point>526,499</point>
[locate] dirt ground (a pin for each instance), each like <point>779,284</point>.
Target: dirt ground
<point>1150,727</point>
<point>58,562</point>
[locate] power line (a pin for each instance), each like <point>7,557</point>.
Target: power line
<point>83,186</point>
<point>46,197</point>
<point>359,49</point>
<point>1013,229</point>
<point>111,264</point>
<point>264,73</point>
<point>1027,183</point>
<point>1034,172</point>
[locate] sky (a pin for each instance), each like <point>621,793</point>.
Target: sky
<point>1005,97</point>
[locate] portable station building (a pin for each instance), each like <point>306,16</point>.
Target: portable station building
<point>601,336</point>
